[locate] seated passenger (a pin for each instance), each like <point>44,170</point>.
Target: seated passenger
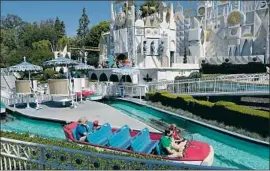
<point>169,147</point>
<point>176,132</point>
<point>96,126</point>
<point>82,129</point>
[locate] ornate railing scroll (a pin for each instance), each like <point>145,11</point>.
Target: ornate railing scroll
<point>19,155</point>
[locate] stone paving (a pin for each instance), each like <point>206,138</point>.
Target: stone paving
<point>91,109</point>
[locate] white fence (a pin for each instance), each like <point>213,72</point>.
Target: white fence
<point>20,155</point>
<point>230,84</point>
<point>248,84</point>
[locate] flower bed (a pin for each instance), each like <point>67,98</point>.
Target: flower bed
<point>226,112</point>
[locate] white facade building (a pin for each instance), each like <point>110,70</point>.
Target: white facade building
<point>220,31</point>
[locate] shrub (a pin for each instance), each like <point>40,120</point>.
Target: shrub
<point>219,124</point>
<point>195,75</point>
<point>243,110</point>
<point>222,111</point>
<point>205,103</point>
<point>228,68</point>
<point>224,103</point>
<point>48,74</point>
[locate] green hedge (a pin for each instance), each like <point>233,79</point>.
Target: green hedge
<point>71,145</point>
<point>226,112</point>
<point>229,68</point>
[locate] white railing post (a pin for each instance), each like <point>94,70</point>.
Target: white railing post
<point>42,161</point>
<point>199,85</point>
<point>140,93</point>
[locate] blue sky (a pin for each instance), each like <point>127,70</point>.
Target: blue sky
<point>68,11</point>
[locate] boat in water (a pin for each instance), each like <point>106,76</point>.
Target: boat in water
<point>142,142</point>
<point>89,95</point>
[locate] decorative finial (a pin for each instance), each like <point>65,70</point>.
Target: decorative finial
<point>24,59</point>
<point>85,60</point>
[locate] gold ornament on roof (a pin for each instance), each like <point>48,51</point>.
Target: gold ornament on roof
<point>234,18</point>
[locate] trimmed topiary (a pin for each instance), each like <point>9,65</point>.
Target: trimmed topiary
<point>222,111</point>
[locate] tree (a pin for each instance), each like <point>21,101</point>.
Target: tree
<point>59,28</point>
<point>93,58</point>
<point>41,45</point>
<point>10,27</point>
<point>11,21</point>
<point>63,28</point>
<point>9,38</point>
<point>83,30</point>
<point>47,32</point>
<point>93,38</point>
<point>38,56</point>
<point>149,7</point>
<point>62,42</point>
<point>95,32</point>
<point>4,56</point>
<point>29,34</point>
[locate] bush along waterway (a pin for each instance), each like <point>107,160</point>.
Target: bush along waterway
<point>224,112</point>
<point>210,122</point>
<point>229,151</point>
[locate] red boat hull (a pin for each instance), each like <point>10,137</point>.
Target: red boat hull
<point>199,153</point>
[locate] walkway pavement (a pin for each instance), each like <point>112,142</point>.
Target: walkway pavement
<point>91,109</point>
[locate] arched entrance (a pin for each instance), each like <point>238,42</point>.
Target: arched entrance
<point>103,77</point>
<point>94,77</point>
<point>121,57</point>
<point>114,78</point>
<point>126,78</point>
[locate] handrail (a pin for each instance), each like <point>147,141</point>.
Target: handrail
<point>33,153</point>
<point>220,78</point>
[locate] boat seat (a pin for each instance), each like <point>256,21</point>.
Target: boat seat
<point>91,126</point>
<point>74,134</point>
<point>121,138</point>
<point>100,136</point>
<point>142,143</point>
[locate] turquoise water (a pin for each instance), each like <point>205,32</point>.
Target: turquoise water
<point>2,105</point>
<point>45,129</point>
<point>229,151</point>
